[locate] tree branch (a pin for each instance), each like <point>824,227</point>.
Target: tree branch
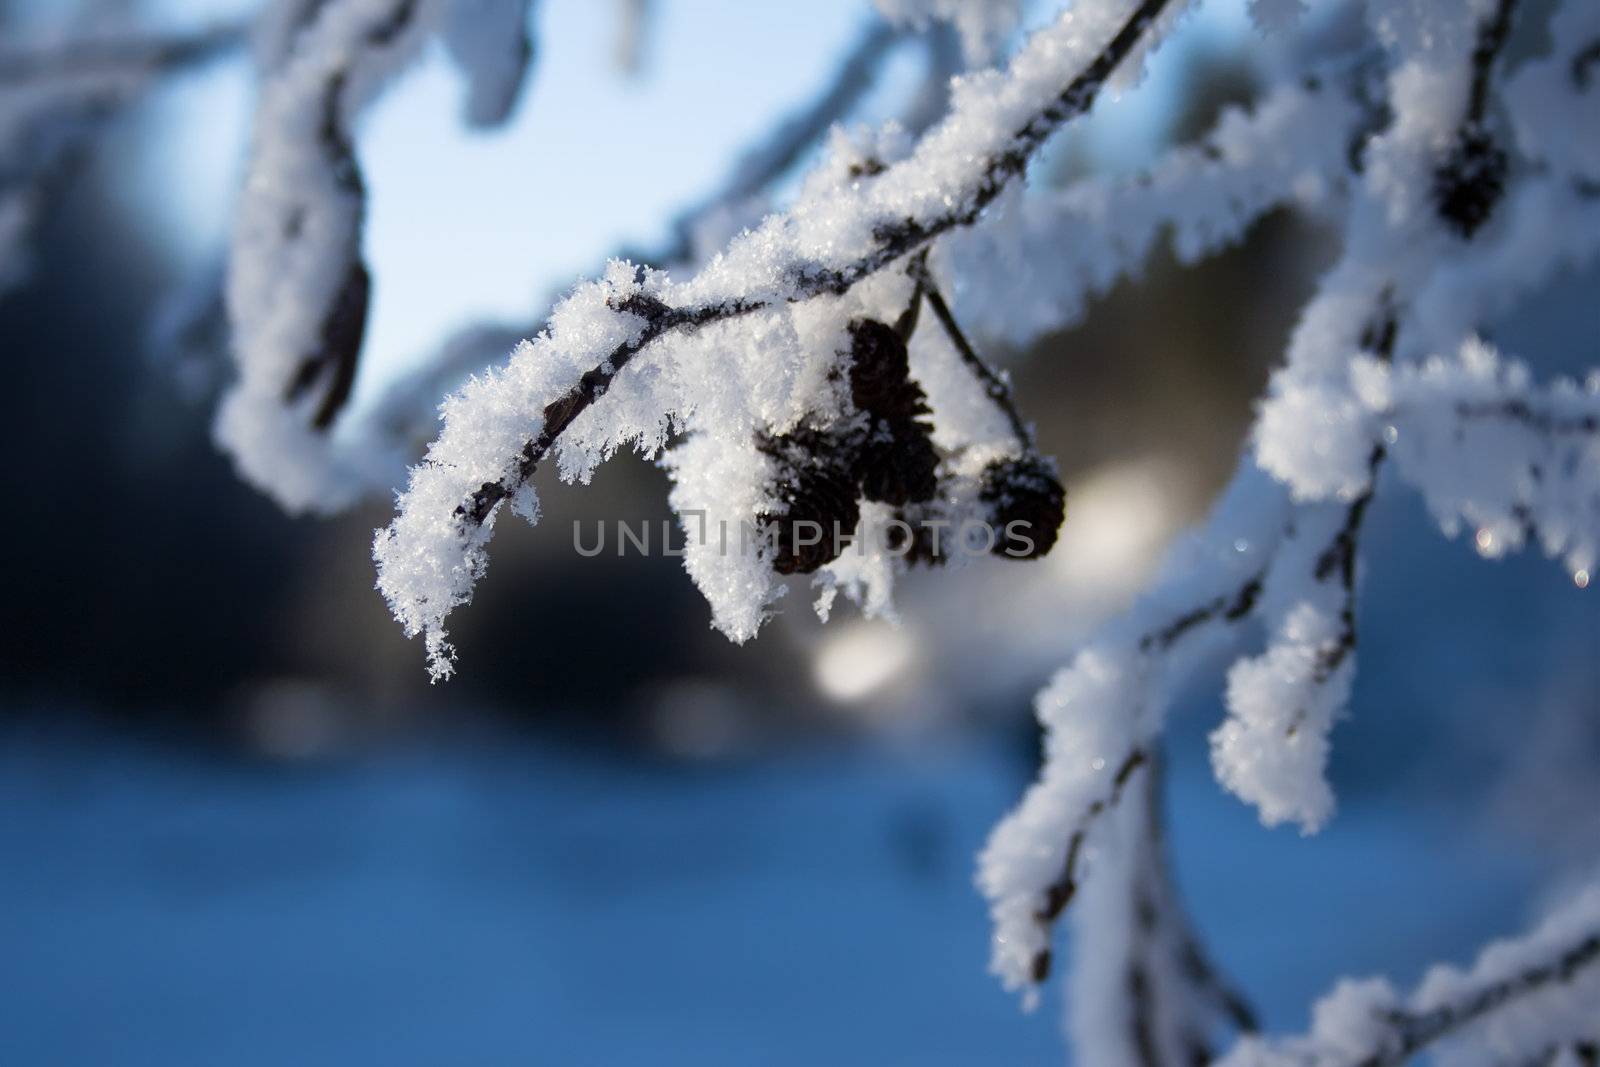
<point>892,240</point>
<point>994,386</point>
<point>409,404</point>
<point>1059,893</point>
<point>1543,422</point>
<point>1339,558</point>
<point>1545,980</point>
<point>1472,180</point>
<point>1409,1033</point>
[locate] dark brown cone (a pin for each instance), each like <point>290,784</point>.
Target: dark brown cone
<point>1470,183</point>
<point>901,470</point>
<point>1024,490</point>
<point>815,480</point>
<point>897,461</point>
<point>880,371</point>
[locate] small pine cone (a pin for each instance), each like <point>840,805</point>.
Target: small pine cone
<point>880,367</point>
<point>1024,490</point>
<point>897,462</point>
<point>815,479</point>
<point>880,374</point>
<point>1470,182</point>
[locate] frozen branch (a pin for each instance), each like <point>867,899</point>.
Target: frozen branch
<point>493,440</point>
<point>1142,992</point>
<point>1104,711</point>
<point>1492,451</point>
<point>1035,263</point>
<point>1522,998</point>
<point>298,287</point>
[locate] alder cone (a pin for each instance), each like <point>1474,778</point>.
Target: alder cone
<point>897,463</point>
<point>1024,489</point>
<point>899,471</point>
<point>880,372</point>
<point>1470,183</point>
<point>815,480</point>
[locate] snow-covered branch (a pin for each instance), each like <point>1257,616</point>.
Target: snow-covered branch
<point>1530,1000</point>
<point>492,43</point>
<point>1142,991</point>
<point>1102,714</point>
<point>1033,267</point>
<point>828,370</point>
<point>790,277</point>
<point>1424,223</point>
<point>1272,748</point>
<point>298,287</point>
<point>1495,453</point>
<point>405,416</point>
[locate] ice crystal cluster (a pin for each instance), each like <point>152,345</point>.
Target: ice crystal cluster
<point>822,364</point>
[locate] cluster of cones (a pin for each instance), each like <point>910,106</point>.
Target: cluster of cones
<point>888,456</point>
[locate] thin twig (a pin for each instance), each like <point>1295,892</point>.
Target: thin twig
<point>1409,1033</point>
<point>1229,607</point>
<point>1339,558</point>
<point>1520,411</point>
<point>1492,37</point>
<point>994,386</point>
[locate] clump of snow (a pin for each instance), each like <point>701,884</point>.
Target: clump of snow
<point>1272,750</point>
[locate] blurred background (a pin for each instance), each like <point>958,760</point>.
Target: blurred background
<point>238,826</point>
